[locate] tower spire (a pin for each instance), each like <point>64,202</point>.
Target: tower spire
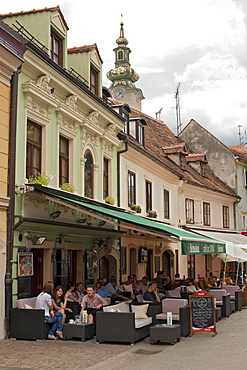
<point>123,77</point>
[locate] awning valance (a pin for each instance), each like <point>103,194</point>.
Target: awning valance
<point>142,222</point>
<point>234,244</point>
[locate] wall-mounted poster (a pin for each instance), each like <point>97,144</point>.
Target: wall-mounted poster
<point>25,264</point>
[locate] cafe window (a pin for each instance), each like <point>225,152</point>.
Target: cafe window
<point>63,160</point>
<point>34,149</point>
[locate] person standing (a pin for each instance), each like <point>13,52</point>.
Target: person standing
<point>44,302</point>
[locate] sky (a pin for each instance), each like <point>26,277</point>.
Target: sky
<point>201,44</point>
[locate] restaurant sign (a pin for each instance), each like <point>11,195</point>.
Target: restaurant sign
<point>190,247</point>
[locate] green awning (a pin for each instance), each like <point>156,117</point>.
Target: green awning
<point>191,247</point>
<point>121,215</point>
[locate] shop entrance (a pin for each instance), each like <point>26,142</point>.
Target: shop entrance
<point>107,267</point>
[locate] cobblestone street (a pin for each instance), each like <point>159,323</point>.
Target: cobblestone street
<point>227,350</point>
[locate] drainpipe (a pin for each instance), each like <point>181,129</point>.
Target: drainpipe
<point>125,139</point>
<point>11,195</point>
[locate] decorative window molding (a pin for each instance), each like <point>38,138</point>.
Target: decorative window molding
<point>91,122</point>
<point>68,118</point>
<point>39,100</point>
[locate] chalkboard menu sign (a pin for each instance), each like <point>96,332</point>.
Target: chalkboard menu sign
<point>202,313</point>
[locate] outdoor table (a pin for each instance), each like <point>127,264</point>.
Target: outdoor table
<point>167,333</point>
<point>82,331</point>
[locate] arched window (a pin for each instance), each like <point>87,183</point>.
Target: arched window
<point>120,55</point>
<point>88,178</point>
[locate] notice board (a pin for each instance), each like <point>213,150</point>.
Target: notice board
<point>202,313</point>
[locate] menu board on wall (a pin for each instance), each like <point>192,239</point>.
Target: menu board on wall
<point>202,313</point>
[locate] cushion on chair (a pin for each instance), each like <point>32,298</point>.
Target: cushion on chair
<point>29,301</point>
<point>139,323</point>
<point>122,307</point>
<point>140,311</point>
<point>173,305</point>
<point>127,288</point>
<point>163,316</point>
<point>27,307</point>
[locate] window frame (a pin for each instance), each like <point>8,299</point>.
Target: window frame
<point>56,38</point>
<point>226,217</point>
<point>94,88</point>
<point>189,211</point>
<point>63,158</point>
<point>29,153</point>
<point>105,177</point>
<point>131,188</point>
<point>206,213</point>
<point>166,195</point>
<point>92,175</point>
<point>148,193</point>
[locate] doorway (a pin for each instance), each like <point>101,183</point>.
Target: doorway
<point>107,267</point>
<point>132,261</point>
<point>166,263</point>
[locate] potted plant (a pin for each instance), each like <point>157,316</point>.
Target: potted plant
<point>136,207</point>
<point>67,187</point>
<point>152,214</point>
<point>39,178</point>
<point>109,200</point>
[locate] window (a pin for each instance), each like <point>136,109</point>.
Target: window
<point>166,204</point>
<point>56,48</point>
<point>94,81</point>
<point>136,129</point>
<point>120,55</point>
<point>131,188</point>
<point>206,214</point>
<point>105,178</point>
<point>33,159</point>
<point>226,217</point>
<point>189,209</point>
<point>148,195</point>
<point>245,178</point>
<point>88,181</point>
<point>63,160</point>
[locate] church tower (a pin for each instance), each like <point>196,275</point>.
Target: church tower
<point>123,77</point>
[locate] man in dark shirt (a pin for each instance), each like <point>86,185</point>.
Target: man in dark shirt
<point>151,293</point>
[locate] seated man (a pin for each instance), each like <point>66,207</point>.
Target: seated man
<point>143,286</point>
<point>110,291</point>
<point>92,302</point>
<point>99,291</point>
<point>151,293</point>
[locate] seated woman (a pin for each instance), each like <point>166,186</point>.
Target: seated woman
<point>59,302</point>
<point>44,302</point>
<point>99,291</point>
<point>70,290</point>
<point>151,293</point>
<point>78,293</point>
<point>129,281</point>
<point>92,302</point>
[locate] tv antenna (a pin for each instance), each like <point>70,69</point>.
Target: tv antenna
<point>240,135</point>
<point>158,114</point>
<point>178,115</point>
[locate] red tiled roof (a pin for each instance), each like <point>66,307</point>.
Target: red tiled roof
<point>195,157</point>
<point>53,9</point>
<point>173,149</point>
<point>84,49</point>
<point>239,148</point>
<point>157,136</point>
<point>239,154</point>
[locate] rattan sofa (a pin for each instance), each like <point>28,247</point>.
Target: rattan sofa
<point>120,326</point>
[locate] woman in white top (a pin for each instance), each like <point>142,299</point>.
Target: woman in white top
<point>44,302</point>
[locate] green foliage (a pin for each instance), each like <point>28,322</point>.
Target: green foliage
<point>67,187</point>
<point>109,200</point>
<point>40,178</point>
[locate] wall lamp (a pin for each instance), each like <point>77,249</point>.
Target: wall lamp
<point>55,214</point>
<point>38,240</point>
<point>82,220</point>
